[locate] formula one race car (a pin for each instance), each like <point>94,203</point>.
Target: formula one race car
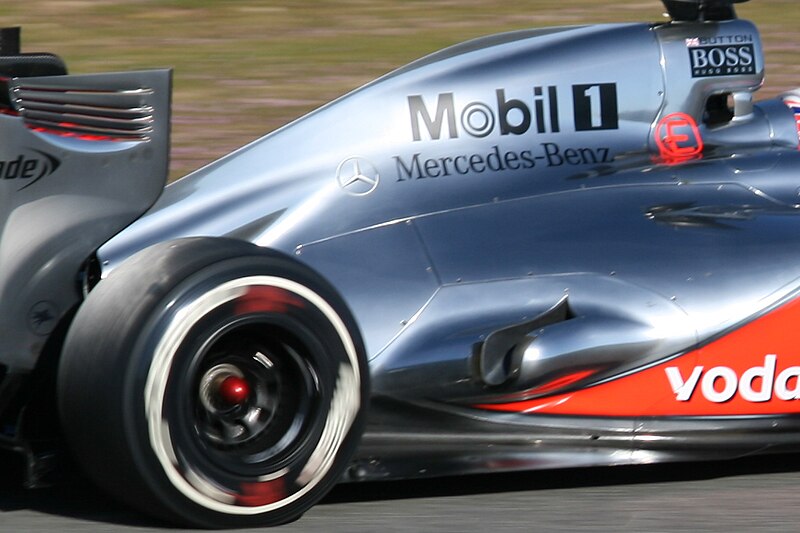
<point>548,248</point>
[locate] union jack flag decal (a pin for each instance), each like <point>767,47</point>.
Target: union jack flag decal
<point>794,104</point>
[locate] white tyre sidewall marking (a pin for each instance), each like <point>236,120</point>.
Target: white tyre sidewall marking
<point>344,407</point>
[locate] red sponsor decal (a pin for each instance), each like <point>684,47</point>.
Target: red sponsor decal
<point>753,370</point>
<point>678,138</point>
<point>266,299</point>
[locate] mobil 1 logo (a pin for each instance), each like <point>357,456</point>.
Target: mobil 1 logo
<point>535,110</point>
<point>595,106</point>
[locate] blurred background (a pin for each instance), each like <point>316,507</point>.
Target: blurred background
<point>245,67</point>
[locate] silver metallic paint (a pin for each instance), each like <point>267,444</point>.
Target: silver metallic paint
<point>504,239</point>
<point>654,258</point>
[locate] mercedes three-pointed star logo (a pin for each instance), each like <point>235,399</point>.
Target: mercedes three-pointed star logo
<point>357,176</point>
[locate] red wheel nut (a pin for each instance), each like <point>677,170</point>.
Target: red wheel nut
<point>234,390</point>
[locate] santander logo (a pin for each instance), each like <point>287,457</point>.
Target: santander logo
<point>720,383</point>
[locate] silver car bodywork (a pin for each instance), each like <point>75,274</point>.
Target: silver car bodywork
<point>476,188</point>
<point>513,222</point>
<point>431,209</point>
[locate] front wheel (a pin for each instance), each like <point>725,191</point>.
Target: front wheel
<point>214,383</point>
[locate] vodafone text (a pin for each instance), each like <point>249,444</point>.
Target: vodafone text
<point>720,384</point>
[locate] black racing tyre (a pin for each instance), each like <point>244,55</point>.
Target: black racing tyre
<point>214,384</point>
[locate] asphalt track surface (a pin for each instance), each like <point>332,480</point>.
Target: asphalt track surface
<point>759,494</point>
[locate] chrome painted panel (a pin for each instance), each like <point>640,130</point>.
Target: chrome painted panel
<point>692,235</point>
<point>363,264</point>
<point>506,171</point>
<point>295,168</point>
<point>441,340</point>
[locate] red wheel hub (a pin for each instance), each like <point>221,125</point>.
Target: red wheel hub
<point>234,390</point>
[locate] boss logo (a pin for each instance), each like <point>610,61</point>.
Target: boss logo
<point>725,60</point>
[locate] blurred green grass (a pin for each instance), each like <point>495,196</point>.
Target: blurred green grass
<point>245,67</point>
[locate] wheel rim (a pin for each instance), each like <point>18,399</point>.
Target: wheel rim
<point>265,426</point>
<point>204,468</point>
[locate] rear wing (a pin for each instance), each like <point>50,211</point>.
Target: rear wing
<point>701,10</point>
<point>82,157</point>
<point>13,63</point>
